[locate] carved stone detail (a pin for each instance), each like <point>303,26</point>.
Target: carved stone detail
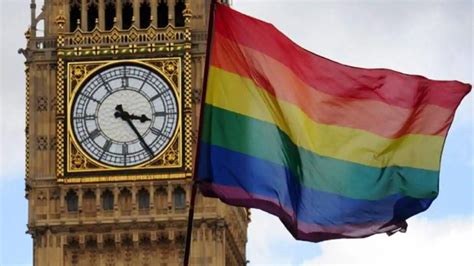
<point>42,143</point>
<point>42,103</point>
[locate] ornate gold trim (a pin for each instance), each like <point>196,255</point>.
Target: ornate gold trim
<point>175,46</point>
<point>122,178</point>
<point>78,72</point>
<point>188,123</point>
<point>122,42</point>
<point>60,119</point>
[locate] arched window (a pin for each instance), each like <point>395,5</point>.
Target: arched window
<point>41,203</point>
<point>145,14</point>
<point>161,200</point>
<point>162,14</point>
<point>125,201</point>
<point>143,199</point>
<point>74,14</point>
<point>109,242</point>
<point>88,201</point>
<point>91,243</point>
<point>72,201</point>
<point>179,198</point>
<point>178,13</point>
<point>92,15</point>
<point>107,200</point>
<point>109,14</point>
<point>127,14</point>
<point>54,203</point>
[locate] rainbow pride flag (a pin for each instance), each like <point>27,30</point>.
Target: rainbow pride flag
<point>334,151</point>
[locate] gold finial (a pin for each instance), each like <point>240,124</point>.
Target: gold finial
<point>60,19</point>
<point>187,13</point>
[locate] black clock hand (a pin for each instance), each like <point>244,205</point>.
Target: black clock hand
<point>139,136</point>
<point>126,117</point>
<point>142,118</point>
<point>120,112</point>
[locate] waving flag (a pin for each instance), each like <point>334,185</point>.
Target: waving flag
<point>334,151</point>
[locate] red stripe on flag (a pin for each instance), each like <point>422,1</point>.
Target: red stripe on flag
<point>384,85</point>
<point>374,116</point>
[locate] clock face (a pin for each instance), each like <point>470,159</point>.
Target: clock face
<point>124,115</point>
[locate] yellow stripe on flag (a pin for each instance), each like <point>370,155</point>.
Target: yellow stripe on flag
<point>240,95</point>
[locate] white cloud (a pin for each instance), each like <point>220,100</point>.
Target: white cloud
<point>443,242</point>
<point>265,232</point>
<point>446,241</point>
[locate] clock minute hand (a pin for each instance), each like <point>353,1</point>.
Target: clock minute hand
<point>139,136</point>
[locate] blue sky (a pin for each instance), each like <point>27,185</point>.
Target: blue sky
<point>431,38</point>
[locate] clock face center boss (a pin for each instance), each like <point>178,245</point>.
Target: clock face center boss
<point>124,115</point>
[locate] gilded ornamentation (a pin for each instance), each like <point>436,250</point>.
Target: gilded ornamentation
<point>60,149</point>
<point>116,36</point>
<point>151,47</point>
<point>60,89</point>
<point>78,162</point>
<point>60,119</point>
<point>78,72</point>
<point>170,67</point>
<point>114,49</point>
<point>188,123</point>
<point>117,42</point>
<point>170,157</point>
<point>175,156</point>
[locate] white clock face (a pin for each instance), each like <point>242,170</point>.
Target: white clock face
<point>124,115</point>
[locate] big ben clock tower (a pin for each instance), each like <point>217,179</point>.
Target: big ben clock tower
<point>113,99</point>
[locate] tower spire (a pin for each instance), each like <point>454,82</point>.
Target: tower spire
<point>33,18</point>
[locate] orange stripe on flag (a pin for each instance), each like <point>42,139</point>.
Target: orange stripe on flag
<point>374,116</point>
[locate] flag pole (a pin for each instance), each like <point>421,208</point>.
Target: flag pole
<point>210,31</point>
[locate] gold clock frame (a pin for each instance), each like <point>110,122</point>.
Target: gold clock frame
<point>154,45</point>
<point>77,159</point>
<point>79,162</point>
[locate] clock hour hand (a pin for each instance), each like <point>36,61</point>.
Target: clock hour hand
<point>121,113</point>
<point>142,118</point>
<point>127,117</point>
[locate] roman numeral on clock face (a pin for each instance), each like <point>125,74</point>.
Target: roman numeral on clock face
<point>155,131</point>
<point>125,148</point>
<point>94,134</point>
<point>124,82</point>
<point>107,145</point>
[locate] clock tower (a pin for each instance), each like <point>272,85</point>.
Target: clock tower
<point>113,91</point>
